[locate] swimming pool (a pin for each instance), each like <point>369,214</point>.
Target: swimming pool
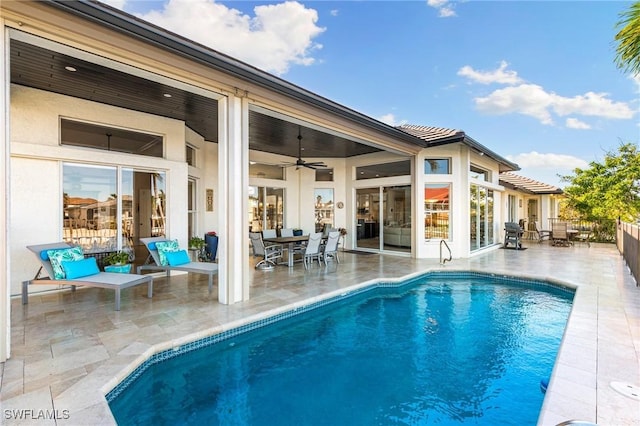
<point>440,349</point>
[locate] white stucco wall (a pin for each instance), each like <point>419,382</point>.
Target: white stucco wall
<point>36,208</point>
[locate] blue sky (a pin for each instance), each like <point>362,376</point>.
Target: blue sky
<point>533,81</point>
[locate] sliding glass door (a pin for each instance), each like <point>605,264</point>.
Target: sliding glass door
<point>384,225</point>
<point>108,208</point>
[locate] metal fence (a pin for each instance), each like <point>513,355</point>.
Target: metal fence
<point>628,242</point>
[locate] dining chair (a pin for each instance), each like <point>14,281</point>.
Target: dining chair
<point>559,234</point>
<point>286,232</point>
<point>312,250</point>
<point>269,233</point>
<point>270,253</point>
<point>542,233</point>
<point>330,249</point>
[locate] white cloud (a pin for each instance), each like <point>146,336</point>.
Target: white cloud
<point>526,99</point>
<point>276,37</point>
<point>535,159</point>
<point>444,7</point>
<point>391,120</point>
<point>593,104</point>
<point>574,123</point>
<point>334,12</point>
<point>500,75</point>
<point>534,101</point>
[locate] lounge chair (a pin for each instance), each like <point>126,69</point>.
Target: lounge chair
<point>513,234</point>
<point>184,264</point>
<point>110,280</point>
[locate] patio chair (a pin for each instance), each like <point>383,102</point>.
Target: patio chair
<point>512,234</point>
<point>286,232</point>
<point>312,250</point>
<point>542,233</point>
<point>330,249</point>
<point>559,234</point>
<point>171,258</point>
<point>78,271</point>
<point>269,233</point>
<point>583,235</point>
<point>270,253</point>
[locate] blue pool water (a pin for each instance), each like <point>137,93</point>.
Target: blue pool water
<point>443,350</point>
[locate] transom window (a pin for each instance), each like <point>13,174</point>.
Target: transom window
<point>479,173</point>
<point>87,135</point>
<point>265,171</point>
<point>324,175</point>
<point>437,166</point>
<point>374,171</point>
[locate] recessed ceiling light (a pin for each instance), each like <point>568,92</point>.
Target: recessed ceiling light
<point>167,95</point>
<point>70,68</point>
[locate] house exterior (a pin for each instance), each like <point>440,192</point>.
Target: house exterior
<point>530,200</point>
<point>115,129</point>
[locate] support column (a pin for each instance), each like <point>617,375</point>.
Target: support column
<point>233,178</point>
<point>5,287</point>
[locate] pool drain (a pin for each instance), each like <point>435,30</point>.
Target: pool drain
<point>627,389</point>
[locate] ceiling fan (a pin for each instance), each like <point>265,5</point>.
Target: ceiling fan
<point>300,162</point>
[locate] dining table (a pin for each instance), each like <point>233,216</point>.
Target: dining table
<point>571,235</point>
<point>290,241</point>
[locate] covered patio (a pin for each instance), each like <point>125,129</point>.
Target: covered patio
<point>64,361</point>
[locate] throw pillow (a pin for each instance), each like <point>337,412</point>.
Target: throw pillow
<point>179,257</point>
<point>58,255</point>
<point>164,247</point>
<point>80,268</point>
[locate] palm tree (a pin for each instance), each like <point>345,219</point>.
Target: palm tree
<point>628,51</point>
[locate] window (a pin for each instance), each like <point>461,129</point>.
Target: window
<point>399,168</point>
<point>192,211</point>
<point>324,175</point>
<point>436,211</point>
<point>481,217</point>
<point>512,207</point>
<point>191,156</point>
<point>100,217</point>
<point>476,172</point>
<point>265,171</point>
<point>437,166</point>
<point>266,208</point>
<point>324,208</point>
<point>88,135</point>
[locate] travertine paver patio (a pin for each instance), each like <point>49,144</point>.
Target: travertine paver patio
<point>69,349</point>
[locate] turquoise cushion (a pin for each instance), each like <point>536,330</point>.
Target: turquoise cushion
<point>179,257</point>
<point>57,256</point>
<point>164,247</point>
<point>80,268</point>
<point>152,245</point>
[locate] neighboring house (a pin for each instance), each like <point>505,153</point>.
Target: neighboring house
<point>530,200</point>
<point>116,129</point>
